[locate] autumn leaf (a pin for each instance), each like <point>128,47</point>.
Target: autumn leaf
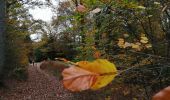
<point>89,75</point>
<point>106,70</point>
<point>163,94</point>
<point>78,79</point>
<point>136,46</point>
<point>144,40</point>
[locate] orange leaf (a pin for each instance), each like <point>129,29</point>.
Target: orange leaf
<point>163,94</point>
<point>89,75</point>
<point>77,79</point>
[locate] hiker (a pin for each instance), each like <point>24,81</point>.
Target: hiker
<point>33,62</point>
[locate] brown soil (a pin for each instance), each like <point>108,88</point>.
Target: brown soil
<point>39,86</point>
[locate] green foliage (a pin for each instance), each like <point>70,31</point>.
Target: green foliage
<point>38,55</point>
<point>20,73</point>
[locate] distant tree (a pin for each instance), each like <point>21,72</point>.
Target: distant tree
<point>19,24</point>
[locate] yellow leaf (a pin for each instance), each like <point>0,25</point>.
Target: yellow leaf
<point>144,39</point>
<point>121,40</point>
<point>89,75</point>
<point>136,46</point>
<point>106,70</point>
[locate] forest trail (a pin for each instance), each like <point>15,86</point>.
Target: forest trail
<point>39,86</point>
<point>43,86</point>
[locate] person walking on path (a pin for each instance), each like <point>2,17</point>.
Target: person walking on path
<point>33,62</point>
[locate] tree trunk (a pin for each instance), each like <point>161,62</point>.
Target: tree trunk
<point>2,35</point>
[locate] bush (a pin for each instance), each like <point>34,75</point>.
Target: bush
<point>20,73</point>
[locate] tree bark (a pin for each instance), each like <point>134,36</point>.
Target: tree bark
<point>2,35</point>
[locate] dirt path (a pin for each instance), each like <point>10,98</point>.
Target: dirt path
<point>42,86</point>
<point>37,87</point>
